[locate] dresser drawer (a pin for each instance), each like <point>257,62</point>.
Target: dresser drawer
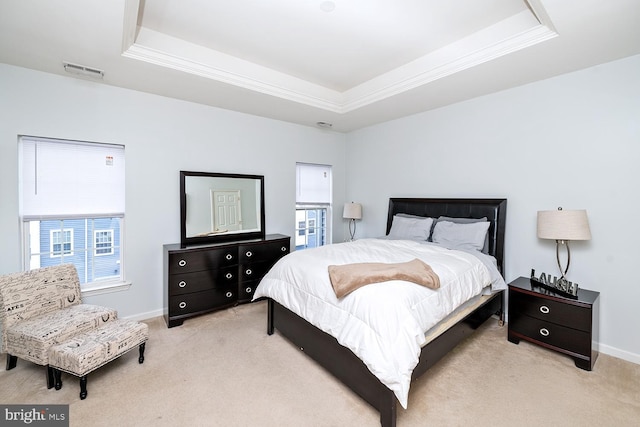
<point>201,301</point>
<point>184,283</point>
<point>271,251</point>
<point>246,290</point>
<point>548,310</point>
<point>568,339</point>
<point>202,260</point>
<point>254,271</point>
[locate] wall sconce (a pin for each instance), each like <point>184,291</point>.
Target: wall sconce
<point>563,226</point>
<point>352,211</point>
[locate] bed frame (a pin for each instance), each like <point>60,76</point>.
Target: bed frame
<point>344,364</point>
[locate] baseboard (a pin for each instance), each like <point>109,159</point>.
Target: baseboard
<point>145,316</point>
<point>620,354</point>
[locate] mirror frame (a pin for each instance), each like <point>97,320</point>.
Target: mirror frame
<point>216,238</point>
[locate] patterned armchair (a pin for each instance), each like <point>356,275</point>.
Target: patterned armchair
<point>41,308</point>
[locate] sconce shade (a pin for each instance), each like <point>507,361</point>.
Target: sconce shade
<point>352,211</point>
<point>563,225</point>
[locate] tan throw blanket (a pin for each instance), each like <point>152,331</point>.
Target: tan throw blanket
<point>349,277</point>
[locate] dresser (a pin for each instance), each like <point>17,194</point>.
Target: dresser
<point>543,317</point>
<point>200,279</point>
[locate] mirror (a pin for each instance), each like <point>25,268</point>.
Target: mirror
<point>217,207</point>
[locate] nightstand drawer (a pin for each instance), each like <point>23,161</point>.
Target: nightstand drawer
<point>568,339</point>
<point>548,310</point>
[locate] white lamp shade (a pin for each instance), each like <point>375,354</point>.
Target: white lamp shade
<point>563,225</point>
<point>352,211</point>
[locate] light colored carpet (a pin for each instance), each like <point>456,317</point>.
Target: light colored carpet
<point>222,369</point>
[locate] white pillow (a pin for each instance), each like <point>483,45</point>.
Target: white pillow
<point>412,228</point>
<point>463,236</point>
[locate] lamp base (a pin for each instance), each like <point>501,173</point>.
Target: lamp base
<point>352,229</point>
<point>560,286</point>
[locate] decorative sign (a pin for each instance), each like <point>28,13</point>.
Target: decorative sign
<point>558,285</point>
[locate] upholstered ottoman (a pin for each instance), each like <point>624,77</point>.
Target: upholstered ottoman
<point>88,351</point>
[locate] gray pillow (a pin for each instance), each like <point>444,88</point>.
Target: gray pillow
<point>468,235</point>
<point>405,215</point>
<point>410,227</point>
<point>485,247</point>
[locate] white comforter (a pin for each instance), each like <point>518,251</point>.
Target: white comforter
<point>384,324</point>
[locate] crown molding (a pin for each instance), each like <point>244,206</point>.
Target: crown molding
<point>520,31</point>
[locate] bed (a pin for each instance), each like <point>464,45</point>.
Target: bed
<point>356,371</point>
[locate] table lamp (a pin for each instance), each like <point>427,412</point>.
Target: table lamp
<point>352,211</point>
<point>563,226</point>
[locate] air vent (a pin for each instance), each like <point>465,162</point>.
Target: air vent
<point>81,70</point>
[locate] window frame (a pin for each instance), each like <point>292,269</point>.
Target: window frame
<point>95,278</point>
<point>317,231</point>
<point>313,194</point>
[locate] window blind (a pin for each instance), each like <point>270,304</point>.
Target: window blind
<point>62,178</point>
<point>313,184</point>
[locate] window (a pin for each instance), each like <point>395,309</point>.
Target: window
<point>313,205</point>
<point>103,242</point>
<point>61,242</point>
<point>72,208</point>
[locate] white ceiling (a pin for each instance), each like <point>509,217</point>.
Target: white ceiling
<point>351,63</point>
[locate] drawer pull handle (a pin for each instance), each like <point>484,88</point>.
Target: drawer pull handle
<point>283,249</point>
<point>544,309</point>
<point>544,332</point>
<point>229,276</point>
<point>229,294</point>
<point>248,290</point>
<point>229,257</point>
<point>182,304</point>
<point>182,263</point>
<point>249,254</point>
<point>249,272</point>
<point>182,284</point>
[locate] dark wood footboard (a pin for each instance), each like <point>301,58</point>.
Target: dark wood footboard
<point>350,370</point>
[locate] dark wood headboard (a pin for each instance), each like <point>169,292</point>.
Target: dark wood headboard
<point>495,210</point>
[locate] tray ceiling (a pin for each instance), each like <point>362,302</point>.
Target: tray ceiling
<point>350,63</point>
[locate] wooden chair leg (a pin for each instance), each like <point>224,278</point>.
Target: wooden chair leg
<point>83,387</point>
<point>12,361</point>
<point>58,375</point>
<point>50,377</point>
<point>141,349</point>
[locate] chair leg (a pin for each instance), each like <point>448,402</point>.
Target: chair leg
<point>141,349</point>
<point>12,361</point>
<point>50,377</point>
<point>83,387</point>
<point>58,375</point>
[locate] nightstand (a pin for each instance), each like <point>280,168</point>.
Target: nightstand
<point>566,325</point>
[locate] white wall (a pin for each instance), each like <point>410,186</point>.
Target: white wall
<point>571,141</point>
<point>161,136</point>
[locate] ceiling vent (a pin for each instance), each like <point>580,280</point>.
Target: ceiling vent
<point>324,125</point>
<point>81,70</point>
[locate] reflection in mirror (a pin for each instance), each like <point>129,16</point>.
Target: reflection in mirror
<point>216,206</point>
